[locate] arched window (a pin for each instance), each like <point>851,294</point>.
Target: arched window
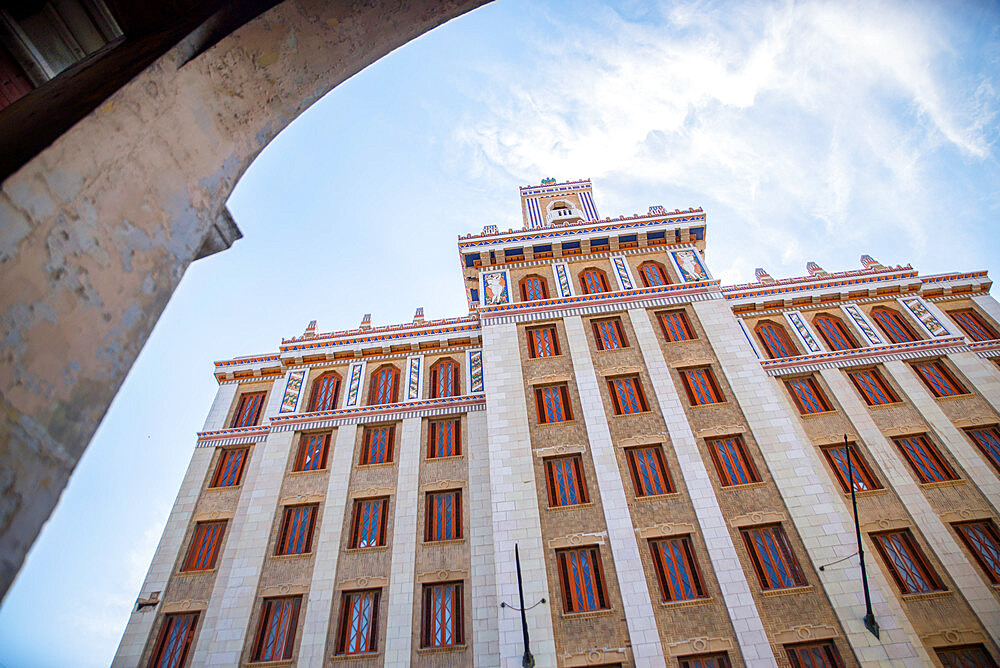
<point>384,386</point>
<point>325,391</point>
<point>653,274</point>
<point>534,288</point>
<point>593,280</point>
<point>834,332</point>
<point>775,340</point>
<point>893,324</point>
<point>444,379</point>
<point>974,325</point>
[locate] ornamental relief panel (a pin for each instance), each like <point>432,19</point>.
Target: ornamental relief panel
<point>805,632</point>
<point>557,450</point>
<point>595,657</point>
<point>666,529</point>
<point>699,646</point>
<point>443,575</point>
<point>363,582</point>
<point>758,517</point>
<point>579,539</point>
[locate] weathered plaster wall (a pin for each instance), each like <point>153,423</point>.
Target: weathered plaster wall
<point>97,230</point>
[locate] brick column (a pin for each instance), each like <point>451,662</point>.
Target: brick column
<point>647,649</point>
<point>482,586</point>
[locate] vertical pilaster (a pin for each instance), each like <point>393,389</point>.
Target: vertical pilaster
<point>318,610</point>
<point>515,504</point>
<point>482,585</point>
<point>647,649</point>
<point>399,629</point>
<point>750,635</point>
<point>989,305</point>
<point>817,509</point>
<point>983,374</point>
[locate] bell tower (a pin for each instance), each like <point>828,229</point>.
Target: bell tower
<point>554,204</point>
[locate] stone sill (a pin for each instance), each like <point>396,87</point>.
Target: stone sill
<point>628,415</point>
<point>880,407</point>
<point>926,596</point>
<point>373,548</point>
<point>747,485</point>
<point>715,405</point>
<point>384,465</point>
<point>196,572</point>
<point>587,615</point>
<point>451,541</point>
<point>572,506</point>
<point>612,350</point>
<point>223,488</point>
<point>658,497</point>
<point>438,650</point>
<point>291,557</point>
<point>863,493</point>
<point>943,483</point>
<point>787,591</point>
<point>545,425</point>
<point>356,657</point>
<point>810,416</point>
<point>670,605</point>
<point>445,459</point>
<point>956,397</point>
<point>266,664</point>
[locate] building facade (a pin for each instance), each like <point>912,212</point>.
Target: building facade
<point>667,454</point>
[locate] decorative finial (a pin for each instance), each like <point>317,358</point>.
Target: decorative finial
<point>310,330</point>
<point>815,270</point>
<point>366,322</point>
<point>868,262</point>
<point>418,316</point>
<point>490,229</point>
<point>548,181</point>
<point>762,276</point>
<point>657,210</point>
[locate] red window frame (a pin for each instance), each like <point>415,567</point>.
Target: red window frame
<point>552,404</point>
<point>593,281</point>
<point>565,481</point>
<point>442,615</point>
<point>983,540</point>
<point>938,379</point>
<point>581,579</point>
<point>700,386</point>
<point>444,438</point>
<point>204,549</point>
<point>445,379</point>
<point>297,526</point>
<point>384,386</point>
<point>924,458</point>
<point>907,563</point>
<point>713,660</point>
<point>774,337</point>
<point>248,410</point>
<point>312,453</point>
<point>653,274</point>
<point>174,643</point>
<point>864,479</point>
<point>676,326</point>
<point>732,461</point>
<point>325,391</point>
<point>534,288</point>
<point>822,654</point>
<point>229,472</point>
<point>987,439</point>
<point>369,518</point>
<point>833,330</point>
<point>872,387</point>
<point>965,656</point>
<point>648,467</point>
<point>974,325</point>
<point>444,516</point>
<point>542,342</point>
<point>357,628</point>
<point>377,445</point>
<point>807,395</point>
<point>609,334</point>
<point>279,620</point>
<point>627,396</point>
<point>677,568</point>
<point>893,325</point>
<point>773,560</point>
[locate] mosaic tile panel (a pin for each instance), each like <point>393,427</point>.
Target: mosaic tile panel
<point>800,328</point>
<point>354,384</point>
<point>622,272</point>
<point>562,280</point>
<point>476,371</point>
<point>496,288</point>
<point>859,319</point>
<point>916,306</point>
<point>293,388</point>
<point>413,368</point>
<point>689,265</point>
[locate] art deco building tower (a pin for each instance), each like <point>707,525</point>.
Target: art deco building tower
<point>667,454</point>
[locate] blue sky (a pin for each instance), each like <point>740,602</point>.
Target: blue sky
<point>807,131</point>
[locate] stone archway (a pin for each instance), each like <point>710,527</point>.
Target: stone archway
<point>97,229</point>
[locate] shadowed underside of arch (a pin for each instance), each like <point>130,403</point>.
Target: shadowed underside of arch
<point>97,229</point>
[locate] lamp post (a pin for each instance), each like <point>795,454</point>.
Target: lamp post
<point>870,623</point>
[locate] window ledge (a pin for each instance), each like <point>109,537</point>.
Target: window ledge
<point>627,415</point>
<point>787,591</point>
<point>880,407</point>
<point>373,548</point>
<point>571,506</point>
<point>670,343</point>
<point>306,473</point>
<point>196,572</point>
<point>809,416</point>
<point>588,614</point>
<point>444,459</point>
<point>658,497</point>
<point>712,405</point>
<point>954,397</point>
<point>375,466</point>
<point>943,483</point>
<point>544,357</point>
<point>450,541</point>
<point>544,425</point>
<point>223,488</point>
<point>746,485</point>
<point>866,492</point>
<point>438,650</point>
<point>265,664</point>
<point>353,657</point>
<point>689,603</point>
<point>291,557</point>
<point>926,596</point>
<point>612,350</point>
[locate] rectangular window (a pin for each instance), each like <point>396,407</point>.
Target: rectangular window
<point>442,621</point>
<point>275,638</point>
<point>444,439</point>
<point>627,396</point>
<point>772,556</point>
<point>675,326</point>
<point>965,656</point>
<point>368,523</point>
<point>248,410</point>
<point>938,379</point>
<point>175,640</point>
<point>552,404</point>
<point>649,471</point>
<point>297,530</point>
<point>608,334</point>
<point>377,444</point>
<point>444,516</point>
<point>906,562</point>
<point>357,632</point>
<point>807,396</point>
<point>732,462</point>
<point>925,459</point>
<point>229,472</point>
<point>983,541</point>
<point>713,660</point>
<point>677,569</point>
<point>312,452</point>
<point>204,546</point>
<point>814,655</point>
<point>543,342</point>
<point>872,387</point>
<point>864,480</point>
<point>987,440</point>
<point>565,481</point>
<point>582,580</point>
<point>700,386</point>
<point>974,325</point>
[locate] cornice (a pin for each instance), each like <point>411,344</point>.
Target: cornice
<point>398,411</point>
<point>863,356</point>
<point>806,283</point>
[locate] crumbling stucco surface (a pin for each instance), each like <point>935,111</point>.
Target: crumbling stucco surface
<point>97,230</point>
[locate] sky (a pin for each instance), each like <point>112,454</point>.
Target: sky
<point>808,131</point>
